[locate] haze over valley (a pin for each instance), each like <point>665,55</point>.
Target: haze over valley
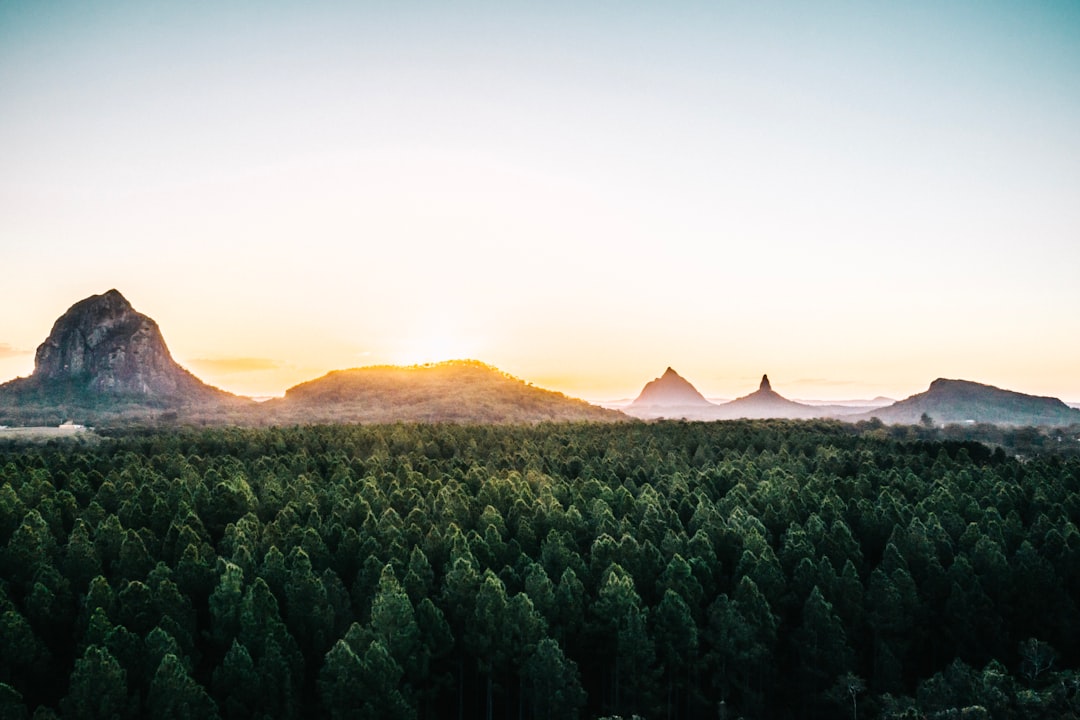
<point>104,363</point>
<point>578,360</point>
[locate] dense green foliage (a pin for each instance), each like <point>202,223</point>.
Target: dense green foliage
<point>458,391</point>
<point>764,569</point>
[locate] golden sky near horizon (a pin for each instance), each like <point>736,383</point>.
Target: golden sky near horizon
<point>853,199</point>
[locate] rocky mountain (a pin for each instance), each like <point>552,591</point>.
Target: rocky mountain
<point>103,360</point>
<point>963,401</point>
<point>674,397</point>
<point>670,396</point>
<point>103,363</point>
<point>766,403</point>
<point>667,392</point>
<point>463,391</point>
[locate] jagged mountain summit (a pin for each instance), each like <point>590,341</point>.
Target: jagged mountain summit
<point>462,391</point>
<point>963,401</point>
<point>766,403</point>
<point>103,342</point>
<point>103,357</point>
<point>671,396</point>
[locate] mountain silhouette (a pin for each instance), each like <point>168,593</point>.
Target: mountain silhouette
<point>105,363</point>
<point>963,401</point>
<point>669,390</point>
<point>102,358</point>
<point>466,391</point>
<point>766,403</point>
<point>670,396</point>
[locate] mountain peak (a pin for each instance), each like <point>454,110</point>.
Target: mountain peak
<point>766,403</point>
<point>450,391</point>
<point>113,296</point>
<point>965,401</point>
<point>107,363</point>
<point>97,309</point>
<point>103,344</point>
<point>670,390</point>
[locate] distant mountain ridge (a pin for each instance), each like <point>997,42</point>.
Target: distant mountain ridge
<point>945,402</point>
<point>962,401</point>
<point>452,391</point>
<point>103,363</point>
<point>672,396</point>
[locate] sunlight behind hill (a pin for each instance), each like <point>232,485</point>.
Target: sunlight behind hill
<point>455,391</point>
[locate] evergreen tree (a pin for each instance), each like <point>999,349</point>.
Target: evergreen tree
<point>554,687</point>
<point>175,695</point>
<point>98,687</point>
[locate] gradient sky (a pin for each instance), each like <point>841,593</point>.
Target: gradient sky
<point>856,198</point>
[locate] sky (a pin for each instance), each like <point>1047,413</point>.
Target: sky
<point>854,197</point>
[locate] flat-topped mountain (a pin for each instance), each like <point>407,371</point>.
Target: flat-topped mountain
<point>765,403</point>
<point>103,357</point>
<point>464,391</point>
<point>963,401</point>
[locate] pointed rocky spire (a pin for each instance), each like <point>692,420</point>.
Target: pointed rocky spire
<point>765,386</point>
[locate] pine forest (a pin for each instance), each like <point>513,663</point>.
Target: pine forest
<point>744,569</point>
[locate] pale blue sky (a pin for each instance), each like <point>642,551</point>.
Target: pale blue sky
<point>854,197</point>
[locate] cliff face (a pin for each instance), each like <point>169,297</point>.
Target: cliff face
<point>115,350</point>
<point>105,363</point>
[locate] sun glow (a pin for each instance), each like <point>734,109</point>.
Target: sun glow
<point>432,346</point>
<point>856,202</point>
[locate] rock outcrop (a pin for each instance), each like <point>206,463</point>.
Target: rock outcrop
<point>105,362</point>
<point>103,344</point>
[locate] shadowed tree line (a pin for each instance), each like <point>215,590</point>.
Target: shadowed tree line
<point>672,570</point>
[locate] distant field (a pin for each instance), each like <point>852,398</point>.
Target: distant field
<point>44,433</point>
